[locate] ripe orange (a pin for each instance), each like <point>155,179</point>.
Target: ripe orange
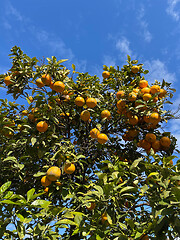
<point>155,89</point>
<point>46,79</point>
<point>136,90</point>
<point>45,181</point>
<point>104,217</point>
<point>121,104</point>
<point>105,74</point>
<point>58,86</point>
<point>102,138</point>
<point>150,137</point>
<point>146,118</point>
<point>132,133</point>
<point>133,120</point>
<point>144,144</point>
<point>31,117</point>
<point>135,69</point>
<point>143,83</point>
<point>7,80</point>
<point>162,93</point>
<point>165,142</point>
<point>42,126</point>
<point>51,85</point>
<point>146,96</point>
<point>156,145</point>
<point>46,190</point>
<point>53,173</point>
<point>39,83</point>
<point>85,115</point>
<point>92,206</point>
<point>155,99</point>
<point>144,237</point>
<point>106,114</point>
<point>154,118</point>
<point>94,133</point>
<point>126,137</point>
<point>132,97</point>
<point>79,101</point>
<point>91,102</point>
<point>69,168</point>
<point>145,90</point>
<point>120,94</point>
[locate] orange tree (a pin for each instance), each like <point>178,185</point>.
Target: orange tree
<point>84,158</point>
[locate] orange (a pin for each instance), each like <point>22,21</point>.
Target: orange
<point>39,83</point>
<point>132,97</point>
<point>53,173</point>
<point>156,145</point>
<point>146,118</point>
<point>135,69</point>
<point>146,96</point>
<point>46,79</point>
<point>154,118</point>
<point>85,115</point>
<point>31,117</point>
<point>126,137</point>
<point>46,190</point>
<point>94,133</point>
<point>91,102</point>
<point>7,80</point>
<point>69,168</point>
<point>58,86</point>
<point>42,126</point>
<point>105,74</point>
<point>45,181</point>
<point>155,99</point>
<point>106,114</point>
<point>165,142</point>
<point>145,90</point>
<point>92,206</point>
<point>136,90</point>
<point>120,104</point>
<point>102,138</point>
<point>162,93</point>
<point>120,94</point>
<point>132,133</point>
<point>155,89</point>
<point>79,101</point>
<point>144,144</point>
<point>51,85</point>
<point>143,83</point>
<point>104,217</point>
<point>150,137</point>
<point>144,237</point>
<point>133,120</point>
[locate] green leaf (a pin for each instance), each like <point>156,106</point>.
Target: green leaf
<point>66,221</point>
<point>5,186</point>
<point>99,189</point>
<point>73,67</point>
<point>39,174</point>
<point>20,217</point>
<point>41,203</point>
<point>135,163</point>
<point>33,141</point>
<point>30,194</point>
<point>128,189</point>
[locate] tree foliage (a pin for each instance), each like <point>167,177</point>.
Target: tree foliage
<point>126,187</point>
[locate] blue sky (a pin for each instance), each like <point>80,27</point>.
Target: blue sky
<point>93,33</point>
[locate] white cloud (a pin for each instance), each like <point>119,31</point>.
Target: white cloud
<point>144,25</point>
<point>123,46</point>
<point>158,71</point>
<point>109,60</point>
<point>172,9</point>
<point>11,11</point>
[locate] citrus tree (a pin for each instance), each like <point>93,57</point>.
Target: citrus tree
<point>84,158</point>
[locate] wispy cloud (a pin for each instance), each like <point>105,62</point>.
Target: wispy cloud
<point>172,9</point>
<point>143,25</point>
<point>158,70</point>
<point>123,46</point>
<point>109,60</point>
